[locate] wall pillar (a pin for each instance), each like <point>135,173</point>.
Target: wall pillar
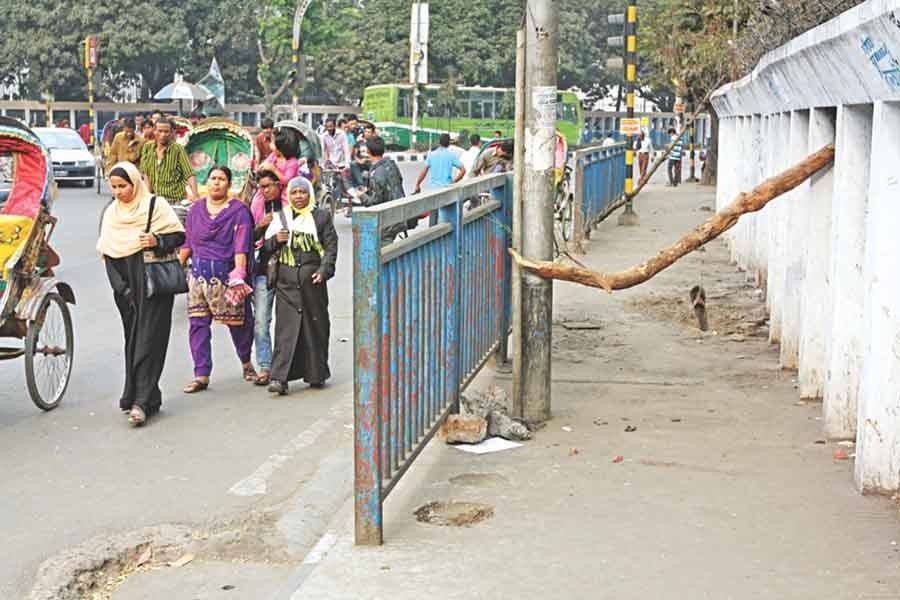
<point>878,431</point>
<point>777,231</point>
<point>853,148</point>
<point>816,296</point>
<point>794,247</point>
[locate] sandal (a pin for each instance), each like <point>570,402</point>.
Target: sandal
<point>249,374</point>
<point>264,378</point>
<point>137,417</point>
<point>195,386</point>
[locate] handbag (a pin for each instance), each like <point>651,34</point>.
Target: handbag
<point>163,274</point>
<point>272,264</point>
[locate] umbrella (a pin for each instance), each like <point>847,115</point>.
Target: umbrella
<point>182,90</point>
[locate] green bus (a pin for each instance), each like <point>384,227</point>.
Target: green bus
<point>481,110</point>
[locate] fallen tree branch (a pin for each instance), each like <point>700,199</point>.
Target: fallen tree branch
<point>710,229</point>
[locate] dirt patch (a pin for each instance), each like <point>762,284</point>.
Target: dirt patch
<point>453,514</point>
<point>736,312</point>
<point>479,480</point>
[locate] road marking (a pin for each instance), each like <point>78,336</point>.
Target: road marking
<point>258,482</point>
<point>320,549</point>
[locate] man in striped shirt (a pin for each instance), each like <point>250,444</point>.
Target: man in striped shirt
<point>674,162</point>
<point>165,165</point>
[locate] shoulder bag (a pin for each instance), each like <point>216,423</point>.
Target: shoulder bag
<point>272,265</point>
<point>163,274</point>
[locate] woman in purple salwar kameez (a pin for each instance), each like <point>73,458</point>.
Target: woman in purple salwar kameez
<point>219,232</point>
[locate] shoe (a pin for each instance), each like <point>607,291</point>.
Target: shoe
<point>317,385</point>
<point>137,417</point>
<point>278,387</point>
<point>195,386</point>
<point>265,378</point>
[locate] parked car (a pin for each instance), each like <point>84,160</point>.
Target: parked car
<point>72,161</point>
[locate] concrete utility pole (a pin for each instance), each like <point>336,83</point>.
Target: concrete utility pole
<point>542,53</point>
<point>518,194</point>
<point>299,14</point>
<point>628,216</point>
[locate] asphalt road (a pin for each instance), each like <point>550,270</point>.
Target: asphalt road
<point>80,471</point>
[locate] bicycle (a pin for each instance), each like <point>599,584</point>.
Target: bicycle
<point>564,205</point>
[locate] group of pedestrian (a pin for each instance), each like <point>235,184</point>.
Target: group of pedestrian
<point>242,261</point>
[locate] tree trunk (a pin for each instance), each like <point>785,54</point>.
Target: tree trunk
<point>712,153</point>
<point>712,228</point>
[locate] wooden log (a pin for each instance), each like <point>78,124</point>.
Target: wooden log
<point>716,225</point>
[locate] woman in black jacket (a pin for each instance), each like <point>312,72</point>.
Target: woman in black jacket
<point>306,246</point>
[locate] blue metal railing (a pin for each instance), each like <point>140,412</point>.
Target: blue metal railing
<point>428,311</point>
<point>599,181</point>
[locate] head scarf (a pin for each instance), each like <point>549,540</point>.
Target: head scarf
<point>123,223</point>
<point>304,234</point>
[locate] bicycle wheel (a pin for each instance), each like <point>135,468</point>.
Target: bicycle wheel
<point>328,203</point>
<point>49,349</point>
<point>567,219</point>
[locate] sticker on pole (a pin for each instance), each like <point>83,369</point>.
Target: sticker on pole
<point>543,103</point>
<point>628,126</point>
<point>679,108</point>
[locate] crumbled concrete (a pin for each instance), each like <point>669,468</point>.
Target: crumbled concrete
<point>464,429</point>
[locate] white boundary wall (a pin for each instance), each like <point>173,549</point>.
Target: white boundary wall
<point>828,253</point>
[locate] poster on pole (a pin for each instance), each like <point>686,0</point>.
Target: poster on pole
<point>90,52</point>
<point>629,126</point>
<point>418,44</point>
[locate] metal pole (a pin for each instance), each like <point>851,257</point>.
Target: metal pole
<point>414,125</point>
<point>518,188</point>
<point>628,216</point>
<point>542,51</point>
<point>691,140</point>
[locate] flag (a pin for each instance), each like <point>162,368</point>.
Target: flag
<point>215,83</point>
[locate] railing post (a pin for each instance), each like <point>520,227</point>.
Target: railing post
<point>366,350</point>
<point>452,213</point>
<point>578,208</point>
<point>505,196</point>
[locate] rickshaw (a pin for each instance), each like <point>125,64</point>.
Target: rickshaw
<point>33,303</point>
<point>221,141</point>
<point>183,128</point>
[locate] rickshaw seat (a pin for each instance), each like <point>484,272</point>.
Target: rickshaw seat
<point>14,233</point>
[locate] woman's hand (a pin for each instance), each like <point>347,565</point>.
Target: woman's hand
<point>317,277</point>
<point>283,236</point>
<point>148,240</point>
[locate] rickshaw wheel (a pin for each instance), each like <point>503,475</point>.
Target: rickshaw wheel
<point>49,349</point>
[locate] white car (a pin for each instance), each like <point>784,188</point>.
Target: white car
<point>71,159</point>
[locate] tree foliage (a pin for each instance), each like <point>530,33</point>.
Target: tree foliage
<point>353,44</point>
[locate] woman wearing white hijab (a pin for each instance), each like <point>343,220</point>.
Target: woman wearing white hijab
<point>306,245</point>
<point>147,321</point>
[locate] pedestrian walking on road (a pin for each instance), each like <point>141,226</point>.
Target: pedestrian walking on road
<point>440,164</point>
<point>264,138</point>
<point>674,163</point>
<point>165,165</point>
<point>219,237</point>
<point>306,244</point>
<point>644,149</point>
<point>469,156</point>
<point>147,321</point>
<point>265,207</point>
<point>385,184</point>
<point>126,146</point>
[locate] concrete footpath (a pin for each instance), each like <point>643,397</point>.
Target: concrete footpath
<point>677,465</point>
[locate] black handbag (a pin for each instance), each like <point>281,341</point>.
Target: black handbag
<point>163,274</point>
<point>272,264</point>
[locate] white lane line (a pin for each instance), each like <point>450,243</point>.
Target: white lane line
<point>258,482</point>
<point>320,549</point>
